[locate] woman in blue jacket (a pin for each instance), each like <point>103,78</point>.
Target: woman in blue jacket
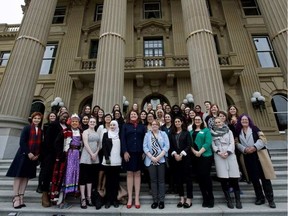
<point>156,146</point>
<point>132,136</point>
<point>202,149</point>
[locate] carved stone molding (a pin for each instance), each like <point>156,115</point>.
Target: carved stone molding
<point>93,29</point>
<point>153,27</point>
<point>220,24</point>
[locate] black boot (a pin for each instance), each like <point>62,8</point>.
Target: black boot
<point>228,200</point>
<point>260,199</point>
<point>237,199</point>
<point>268,190</point>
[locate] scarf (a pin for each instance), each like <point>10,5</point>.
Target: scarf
<point>35,140</point>
<point>134,123</point>
<point>115,133</point>
<point>217,132</point>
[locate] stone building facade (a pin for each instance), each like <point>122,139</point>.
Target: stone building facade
<point>97,51</point>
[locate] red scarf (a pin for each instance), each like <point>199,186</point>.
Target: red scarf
<point>35,140</point>
<point>135,123</point>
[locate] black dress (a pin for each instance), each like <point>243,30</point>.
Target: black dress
<point>21,165</point>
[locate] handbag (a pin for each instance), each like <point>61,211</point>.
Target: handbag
<point>266,164</point>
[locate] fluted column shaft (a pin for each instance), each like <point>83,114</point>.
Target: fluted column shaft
<point>69,51</point>
<point>21,74</point>
<point>206,79</point>
<point>109,77</point>
<point>275,16</point>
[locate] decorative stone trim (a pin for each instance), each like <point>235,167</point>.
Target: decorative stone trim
<point>199,31</point>
<point>278,33</point>
<point>113,34</point>
<point>31,38</point>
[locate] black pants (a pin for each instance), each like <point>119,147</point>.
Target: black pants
<point>112,182</point>
<point>183,175</point>
<point>227,182</point>
<point>46,172</point>
<point>202,170</point>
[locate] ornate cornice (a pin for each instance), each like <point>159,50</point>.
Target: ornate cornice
<point>153,27</point>
<point>95,27</point>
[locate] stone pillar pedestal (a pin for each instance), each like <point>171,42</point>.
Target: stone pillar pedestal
<point>21,74</point>
<point>206,79</point>
<point>275,16</point>
<point>109,77</point>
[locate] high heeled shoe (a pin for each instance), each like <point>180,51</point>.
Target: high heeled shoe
<point>137,206</point>
<point>16,198</point>
<point>22,204</point>
<point>129,206</point>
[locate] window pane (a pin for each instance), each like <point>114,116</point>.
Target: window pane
<point>4,56</point>
<point>93,49</point>
<point>262,44</point>
<point>49,58</point>
<point>152,10</point>
<point>59,15</point>
<point>279,104</point>
<point>45,67</point>
<point>265,59</point>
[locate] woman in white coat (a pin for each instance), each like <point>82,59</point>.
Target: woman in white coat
<point>225,161</point>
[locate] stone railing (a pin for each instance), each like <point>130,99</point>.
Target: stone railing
<point>5,28</point>
<point>177,61</point>
<point>154,61</point>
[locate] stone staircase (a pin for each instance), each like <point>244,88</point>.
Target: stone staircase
<point>33,199</point>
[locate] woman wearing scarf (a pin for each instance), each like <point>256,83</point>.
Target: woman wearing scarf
<point>225,161</point>
<point>132,136</point>
<point>156,146</point>
<point>25,161</point>
<point>252,144</point>
<point>112,163</point>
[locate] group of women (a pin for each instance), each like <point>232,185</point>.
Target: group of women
<point>89,150</point>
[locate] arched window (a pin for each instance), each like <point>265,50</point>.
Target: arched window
<point>279,104</point>
<point>154,99</point>
<point>37,106</point>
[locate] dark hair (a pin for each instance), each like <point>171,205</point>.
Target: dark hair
<point>229,116</point>
<point>150,113</point>
<point>173,127</point>
<point>202,125</point>
<point>225,114</point>
<point>96,106</point>
<point>113,108</point>
<point>239,126</point>
<point>207,102</point>
<point>197,106</point>
<point>128,116</point>
<point>48,116</point>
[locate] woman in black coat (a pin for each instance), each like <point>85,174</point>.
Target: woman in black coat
<point>25,161</point>
<point>180,150</point>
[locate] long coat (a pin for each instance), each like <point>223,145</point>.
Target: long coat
<point>225,168</point>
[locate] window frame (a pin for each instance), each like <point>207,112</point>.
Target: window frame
<point>150,11</point>
<point>52,58</point>
<point>60,17</point>
<point>95,53</point>
<point>246,8</point>
<point>277,113</point>
<point>97,14</point>
<point>270,51</point>
<point>4,60</point>
<point>153,48</point>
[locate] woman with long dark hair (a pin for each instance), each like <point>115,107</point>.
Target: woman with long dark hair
<point>202,150</point>
<point>180,150</point>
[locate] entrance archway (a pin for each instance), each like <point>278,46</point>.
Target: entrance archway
<point>154,99</point>
<point>85,101</point>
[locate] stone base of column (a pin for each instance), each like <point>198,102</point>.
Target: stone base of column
<point>10,131</point>
<point>9,142</point>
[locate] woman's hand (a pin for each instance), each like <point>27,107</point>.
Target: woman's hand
<point>178,157</point>
<point>154,159</point>
<point>93,157</point>
<point>126,156</point>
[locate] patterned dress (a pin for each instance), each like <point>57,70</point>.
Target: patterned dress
<point>70,184</point>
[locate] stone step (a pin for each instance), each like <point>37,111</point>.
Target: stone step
<point>35,209</point>
<point>146,197</point>
<point>7,184</point>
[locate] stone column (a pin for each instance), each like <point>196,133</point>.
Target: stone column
<point>206,79</point>
<point>21,74</point>
<point>109,75</point>
<point>69,50</point>
<point>275,16</point>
